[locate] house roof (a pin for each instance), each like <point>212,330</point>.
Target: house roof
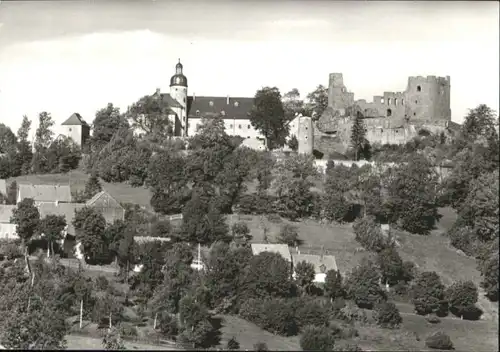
<point>229,107</point>
<point>169,101</point>
<point>3,187</point>
<point>75,120</point>
<point>45,193</point>
<point>328,261</point>
<point>96,197</point>
<point>6,212</point>
<point>281,249</point>
<point>65,209</point>
<point>144,239</point>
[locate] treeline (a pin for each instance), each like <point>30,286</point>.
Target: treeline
<point>19,156</point>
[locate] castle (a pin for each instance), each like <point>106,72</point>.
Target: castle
<point>391,118</point>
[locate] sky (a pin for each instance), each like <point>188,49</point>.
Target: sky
<point>77,56</point>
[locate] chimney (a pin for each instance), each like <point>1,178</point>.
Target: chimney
<point>194,96</point>
<point>227,100</point>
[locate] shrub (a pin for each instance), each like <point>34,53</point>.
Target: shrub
<point>351,314</point>
<point>233,344</point>
<point>387,315</point>
<point>289,235</point>
<point>348,348</point>
<point>260,346</point>
<point>10,250</point>
<point>369,234</point>
<point>461,297</point>
<point>439,341</point>
<point>433,319</point>
<point>312,313</point>
<point>317,338</point>
<point>128,330</point>
<point>428,294</point>
<point>274,218</point>
<point>168,325</point>
<point>274,315</point>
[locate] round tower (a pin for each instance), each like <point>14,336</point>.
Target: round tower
<point>178,91</point>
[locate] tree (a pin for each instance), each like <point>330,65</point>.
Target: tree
<point>489,273</point>
<point>12,193</point>
<point>369,234</point>
<point>233,344</point>
<point>82,288</point>
<point>315,338</point>
<point>311,312</point>
<point>391,266</point>
<point>412,213</point>
<point>304,276</point>
<point>52,227</point>
<point>268,117</point>
<point>275,315</point>
<point>195,323</point>
<point>428,293</point>
<point>267,275</point>
<point>293,143</point>
<point>358,137</point>
<point>317,102</point>
<point>362,285</point>
<point>333,284</point>
<point>113,341</point>
<point>461,297</point>
<point>260,346</point>
<point>439,341</point>
<point>8,139</point>
<point>43,138</point>
<point>106,123</point>
<point>241,233</point>
<point>90,227</point>
<point>292,104</point>
<point>150,116</point>
<point>92,186</point>
<point>162,229</point>
<point>289,235</point>
<point>24,150</point>
<point>27,219</point>
<point>387,315</point>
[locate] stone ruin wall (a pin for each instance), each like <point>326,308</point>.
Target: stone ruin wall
<point>391,118</point>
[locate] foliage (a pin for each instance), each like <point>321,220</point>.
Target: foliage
<point>369,234</point>
<point>112,340</point>
<point>267,275</point>
<point>196,324</point>
<point>416,214</point>
<point>268,117</point>
<point>289,235</point>
<point>348,347</point>
<point>428,293</point>
<point>363,285</point>
<point>167,323</point>
<point>333,284</point>
<point>311,312</point>
<point>439,341</point>
<point>150,116</point>
<point>317,102</point>
<point>275,315</point>
<point>8,139</point>
<point>489,273</point>
<point>293,143</point>
<point>392,267</point>
<point>304,276</point>
<point>241,233</point>
<point>106,123</point>
<point>461,296</point>
<point>92,186</point>
<point>358,138</point>
<point>387,315</point>
<point>27,219</point>
<point>315,338</point>
<point>90,227</point>
<point>52,227</point>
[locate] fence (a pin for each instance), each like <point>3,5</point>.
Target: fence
<point>150,340</point>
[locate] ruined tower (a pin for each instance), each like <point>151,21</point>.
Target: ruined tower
<point>305,135</point>
<point>338,96</point>
<point>428,99</point>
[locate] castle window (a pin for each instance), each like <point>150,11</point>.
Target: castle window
<point>389,101</point>
<point>381,130</point>
<point>396,101</point>
<point>236,104</point>
<point>416,101</point>
<point>382,100</point>
<point>414,114</point>
<point>248,126</point>
<point>69,129</point>
<point>402,102</point>
<point>239,126</point>
<point>389,112</point>
<point>197,112</point>
<point>231,126</point>
<point>419,89</point>
<point>211,103</point>
<point>184,100</point>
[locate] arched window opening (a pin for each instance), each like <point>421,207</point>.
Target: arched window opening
<point>389,112</point>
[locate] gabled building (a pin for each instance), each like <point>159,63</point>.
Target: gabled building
<point>281,249</point>
<point>110,208</point>
<point>322,264</point>
<point>76,128</point>
<point>44,193</point>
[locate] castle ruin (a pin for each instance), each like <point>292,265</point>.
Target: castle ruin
<point>391,118</point>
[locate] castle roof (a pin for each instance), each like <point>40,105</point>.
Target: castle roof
<point>74,120</point>
<point>228,107</point>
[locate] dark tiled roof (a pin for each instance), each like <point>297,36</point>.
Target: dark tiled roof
<point>232,108</point>
<point>75,120</point>
<point>169,101</point>
<point>45,193</point>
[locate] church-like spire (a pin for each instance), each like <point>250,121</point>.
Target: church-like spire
<point>178,79</point>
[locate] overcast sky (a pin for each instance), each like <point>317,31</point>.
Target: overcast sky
<point>65,57</point>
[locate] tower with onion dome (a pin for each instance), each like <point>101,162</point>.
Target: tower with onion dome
<point>178,91</point>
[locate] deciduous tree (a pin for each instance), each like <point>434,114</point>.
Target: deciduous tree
<point>52,227</point>
<point>428,293</point>
<point>304,275</point>
<point>387,315</point>
<point>27,219</point>
<point>317,102</point>
<point>316,338</point>
<point>333,285</point>
<point>461,296</point>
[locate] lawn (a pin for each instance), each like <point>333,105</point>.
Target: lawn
<point>75,342</point>
<point>122,192</point>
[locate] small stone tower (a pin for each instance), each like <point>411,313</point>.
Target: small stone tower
<point>178,91</point>
<point>305,135</point>
<point>77,129</point>
<point>428,98</point>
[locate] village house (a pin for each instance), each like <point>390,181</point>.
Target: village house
<point>7,230</point>
<point>44,193</point>
<point>281,249</point>
<point>322,264</point>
